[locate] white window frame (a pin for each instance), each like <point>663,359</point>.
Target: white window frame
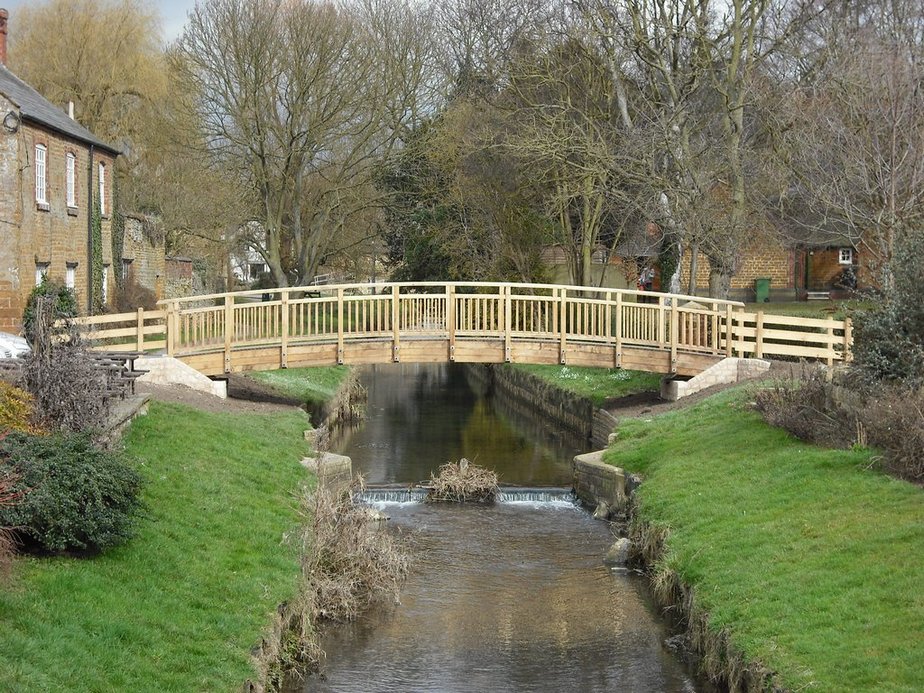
<point>102,188</point>
<point>70,176</point>
<point>845,256</point>
<point>105,283</point>
<point>70,276</point>
<point>41,271</point>
<point>41,174</point>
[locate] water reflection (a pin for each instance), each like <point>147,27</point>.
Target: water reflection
<point>420,416</point>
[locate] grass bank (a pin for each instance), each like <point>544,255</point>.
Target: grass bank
<point>596,384</point>
<point>180,606</point>
<point>811,561</point>
<point>317,384</point>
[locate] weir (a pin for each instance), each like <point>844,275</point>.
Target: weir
<point>510,595</point>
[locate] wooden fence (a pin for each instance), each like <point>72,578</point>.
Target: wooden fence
<point>491,321</point>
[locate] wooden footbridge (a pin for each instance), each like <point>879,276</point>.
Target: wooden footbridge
<point>463,322</point>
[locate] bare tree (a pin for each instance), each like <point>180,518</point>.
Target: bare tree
<point>298,104</point>
<point>851,126</point>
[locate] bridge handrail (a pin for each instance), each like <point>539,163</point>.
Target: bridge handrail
<point>504,314</point>
<point>354,286</point>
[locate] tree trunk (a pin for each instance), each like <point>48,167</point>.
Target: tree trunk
<point>719,283</point>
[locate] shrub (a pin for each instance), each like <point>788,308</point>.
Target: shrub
<point>17,409</point>
<point>131,296</point>
<point>894,423</point>
<point>61,300</point>
<point>889,339</point>
<point>802,405</point>
<point>75,495</point>
<point>8,497</point>
<point>69,389</point>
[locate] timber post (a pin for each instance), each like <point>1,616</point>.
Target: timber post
<point>759,336</point>
<point>729,336</point>
<point>848,340</point>
<point>674,335</point>
<point>229,331</point>
<point>139,342</point>
<point>618,330</point>
<point>563,296</point>
<point>340,326</point>
<point>508,314</point>
<point>284,330</point>
<point>396,323</point>
<point>451,319</point>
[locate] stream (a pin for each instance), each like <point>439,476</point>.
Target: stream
<point>512,596</point>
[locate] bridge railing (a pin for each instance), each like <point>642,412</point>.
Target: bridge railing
<point>504,312</point>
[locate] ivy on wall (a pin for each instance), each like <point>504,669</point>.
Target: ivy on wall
<point>96,268</point>
<point>118,235</point>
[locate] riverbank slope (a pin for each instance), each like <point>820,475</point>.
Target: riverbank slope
<point>181,605</point>
<point>804,560</point>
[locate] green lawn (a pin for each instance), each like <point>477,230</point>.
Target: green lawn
<point>596,384</point>
<point>810,309</point>
<point>813,562</point>
<point>179,607</point>
<point>305,384</point>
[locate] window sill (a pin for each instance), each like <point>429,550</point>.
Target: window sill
<point>104,217</point>
<point>72,211</point>
<point>42,207</point>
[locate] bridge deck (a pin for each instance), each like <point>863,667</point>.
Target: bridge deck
<point>464,322</point>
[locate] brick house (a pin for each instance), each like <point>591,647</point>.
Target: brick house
<point>51,170</point>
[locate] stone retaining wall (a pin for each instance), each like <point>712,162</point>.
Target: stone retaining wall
<point>540,397</point>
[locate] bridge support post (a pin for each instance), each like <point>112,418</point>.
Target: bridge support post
<point>139,344</point>
<point>396,323</point>
<point>229,330</point>
<point>451,320</point>
<point>340,327</point>
<point>171,328</point>
<point>508,314</point>
<point>617,330</point>
<point>729,331</point>
<point>284,330</point>
<point>675,326</point>
<point>562,347</point>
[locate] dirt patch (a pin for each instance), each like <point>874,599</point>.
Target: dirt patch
<point>650,403</point>
<point>200,400</point>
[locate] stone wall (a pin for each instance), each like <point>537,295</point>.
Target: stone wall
<point>728,370</point>
<point>565,409</point>
<point>143,251</point>
<point>599,484</point>
<point>179,277</point>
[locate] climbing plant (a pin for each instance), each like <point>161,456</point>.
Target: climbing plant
<point>118,235</point>
<point>96,269</point>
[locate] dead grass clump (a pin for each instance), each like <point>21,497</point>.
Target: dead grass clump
<point>349,561</point>
<point>893,421</point>
<point>802,405</point>
<point>463,481</point>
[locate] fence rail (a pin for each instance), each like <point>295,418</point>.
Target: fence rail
<point>493,321</point>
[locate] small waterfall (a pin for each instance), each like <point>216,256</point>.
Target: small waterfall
<point>557,496</point>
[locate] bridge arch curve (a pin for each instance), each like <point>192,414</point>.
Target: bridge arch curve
<point>473,322</point>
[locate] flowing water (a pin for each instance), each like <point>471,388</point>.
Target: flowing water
<point>512,596</point>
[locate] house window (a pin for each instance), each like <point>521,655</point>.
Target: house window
<point>845,256</point>
<point>71,178</point>
<point>102,189</point>
<point>105,283</point>
<point>70,276</point>
<point>41,191</point>
<point>41,271</point>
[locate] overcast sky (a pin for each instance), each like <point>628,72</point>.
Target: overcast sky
<point>172,13</point>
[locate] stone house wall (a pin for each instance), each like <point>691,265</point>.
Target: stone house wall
<point>53,235</point>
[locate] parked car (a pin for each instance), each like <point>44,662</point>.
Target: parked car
<point>13,346</point>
